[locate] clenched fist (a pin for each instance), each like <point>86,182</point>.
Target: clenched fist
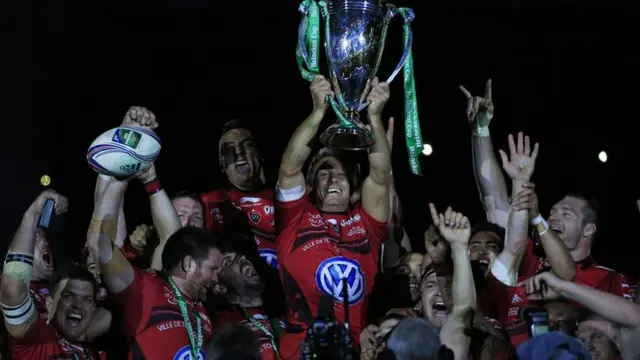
<point>140,116</point>
<point>320,90</point>
<point>141,235</point>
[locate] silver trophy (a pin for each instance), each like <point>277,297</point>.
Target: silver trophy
<point>355,33</point>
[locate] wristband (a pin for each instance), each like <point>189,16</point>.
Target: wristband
<point>18,265</point>
<point>105,177</point>
<point>540,224</point>
<point>481,131</point>
<point>153,186</point>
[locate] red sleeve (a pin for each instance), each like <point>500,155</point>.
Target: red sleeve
<point>129,251</point>
<point>377,230</point>
<point>290,204</point>
<point>494,298</point>
<point>621,287</point>
<point>130,301</point>
<point>605,280</point>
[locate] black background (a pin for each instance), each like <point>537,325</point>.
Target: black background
<point>564,73</point>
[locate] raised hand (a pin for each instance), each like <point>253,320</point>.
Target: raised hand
<point>141,236</point>
<point>479,109</point>
<point>378,97</point>
<point>320,88</point>
<point>60,203</point>
<point>527,200</point>
<point>520,165</point>
<point>437,246</point>
<point>453,226</point>
<point>545,286</point>
<point>140,116</point>
<point>368,342</point>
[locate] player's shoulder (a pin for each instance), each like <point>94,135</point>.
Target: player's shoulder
<point>216,195</point>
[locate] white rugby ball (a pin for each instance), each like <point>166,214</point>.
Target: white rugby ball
<point>124,151</point>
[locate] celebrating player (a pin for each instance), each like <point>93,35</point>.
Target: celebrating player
<point>323,241</point>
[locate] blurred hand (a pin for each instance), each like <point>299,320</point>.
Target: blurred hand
<point>368,342</point>
<point>527,200</point>
<point>545,286</point>
<point>60,203</point>
<point>378,97</point>
<point>453,226</point>
<point>437,247</point>
<point>320,89</point>
<point>479,109</point>
<point>523,161</point>
<point>147,175</point>
<point>140,116</point>
<point>140,236</point>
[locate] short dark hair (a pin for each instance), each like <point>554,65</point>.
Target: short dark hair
<point>236,339</point>
<point>591,209</point>
<point>73,271</point>
<point>486,226</point>
<point>187,241</point>
<point>414,338</point>
<point>189,195</point>
<point>348,163</point>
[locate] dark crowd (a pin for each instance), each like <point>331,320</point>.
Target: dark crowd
<point>319,266</point>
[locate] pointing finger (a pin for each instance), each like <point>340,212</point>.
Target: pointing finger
<point>465,92</point>
<point>487,91</point>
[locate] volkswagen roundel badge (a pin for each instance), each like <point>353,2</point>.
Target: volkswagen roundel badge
<point>329,279</point>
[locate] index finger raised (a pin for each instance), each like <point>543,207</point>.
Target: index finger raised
<point>434,214</point>
<point>465,92</point>
<point>487,91</point>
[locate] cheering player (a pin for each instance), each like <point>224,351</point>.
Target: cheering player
<point>163,314</point>
<point>323,241</point>
<point>241,163</point>
<point>70,317</point>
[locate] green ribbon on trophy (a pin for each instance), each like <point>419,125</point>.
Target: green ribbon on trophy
<point>308,53</point>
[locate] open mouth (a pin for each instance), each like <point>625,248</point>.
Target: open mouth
<point>439,308</point>
<point>73,318</point>
<point>248,271</point>
<point>242,167</point>
<point>333,190</point>
<point>46,259</point>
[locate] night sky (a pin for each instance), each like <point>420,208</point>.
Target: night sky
<point>564,74</point>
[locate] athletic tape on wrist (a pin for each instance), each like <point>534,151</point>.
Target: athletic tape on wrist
<point>18,315</point>
<point>18,265</point>
<point>481,131</point>
<point>541,224</point>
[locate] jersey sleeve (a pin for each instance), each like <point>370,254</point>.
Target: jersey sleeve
<point>377,230</point>
<point>529,263</point>
<point>130,302</point>
<point>129,251</point>
<point>605,280</point>
<point>211,201</point>
<point>493,302</point>
<point>290,203</point>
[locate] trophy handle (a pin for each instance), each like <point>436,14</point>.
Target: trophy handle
<point>408,15</point>
<point>302,35</point>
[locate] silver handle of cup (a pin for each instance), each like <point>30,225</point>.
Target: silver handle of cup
<point>408,16</point>
<point>302,34</point>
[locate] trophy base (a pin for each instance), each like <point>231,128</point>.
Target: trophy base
<point>354,138</point>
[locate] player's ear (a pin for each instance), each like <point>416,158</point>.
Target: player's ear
<point>188,265</point>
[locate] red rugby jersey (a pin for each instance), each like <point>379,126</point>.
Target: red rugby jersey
<point>258,206</point>
<point>45,343</point>
<point>153,322</point>
<point>236,316</point>
<point>316,251</point>
<point>509,300</point>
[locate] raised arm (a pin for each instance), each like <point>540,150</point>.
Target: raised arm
<point>558,254</point>
<point>116,270</point>
<point>20,315</point>
<point>165,218</point>
<point>375,189</point>
<point>491,183</point>
<point>455,229</point>
<point>299,149</point>
<point>101,184</point>
<point>519,166</point>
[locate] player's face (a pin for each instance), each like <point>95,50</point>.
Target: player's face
<point>432,303</point>
<point>331,184</point>
<point>593,335</point>
<point>567,221</point>
<point>562,317</point>
<point>484,247</point>
<point>95,271</point>
<point>75,308</point>
<point>204,275</point>
<point>239,275</point>
<point>410,265</point>
<point>189,211</point>
<point>43,261</point>
<point>241,157</point>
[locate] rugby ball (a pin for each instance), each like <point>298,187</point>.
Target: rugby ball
<point>124,151</point>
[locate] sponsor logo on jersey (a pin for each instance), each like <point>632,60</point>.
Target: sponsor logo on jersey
<point>330,275</point>
<point>352,220</point>
<point>269,210</point>
<point>185,354</point>
<point>356,230</point>
<point>516,299</point>
<point>316,220</point>
<point>270,257</point>
<point>255,217</point>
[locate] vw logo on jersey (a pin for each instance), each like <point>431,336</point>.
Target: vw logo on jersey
<point>330,274</point>
<point>185,354</point>
<point>270,257</point>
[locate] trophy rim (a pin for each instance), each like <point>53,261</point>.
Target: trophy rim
<point>358,132</point>
<point>357,5</point>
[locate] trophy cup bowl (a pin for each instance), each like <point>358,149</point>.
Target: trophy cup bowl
<point>355,33</point>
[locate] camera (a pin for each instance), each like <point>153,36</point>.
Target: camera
<point>537,321</point>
